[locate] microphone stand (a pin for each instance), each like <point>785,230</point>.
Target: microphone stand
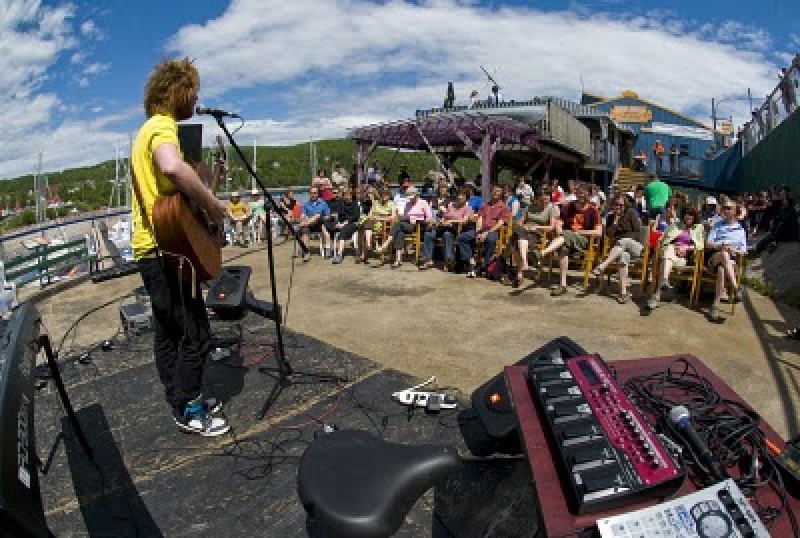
<point>284,375</point>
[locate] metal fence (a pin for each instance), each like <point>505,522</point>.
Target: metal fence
<point>778,106</point>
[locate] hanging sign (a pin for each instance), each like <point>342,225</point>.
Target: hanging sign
<point>631,114</point>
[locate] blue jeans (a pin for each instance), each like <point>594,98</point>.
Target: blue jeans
<point>430,237</point>
<point>465,240</point>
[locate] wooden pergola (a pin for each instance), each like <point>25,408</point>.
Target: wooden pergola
<point>478,133</point>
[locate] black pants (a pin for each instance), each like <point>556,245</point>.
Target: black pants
<point>182,338</point>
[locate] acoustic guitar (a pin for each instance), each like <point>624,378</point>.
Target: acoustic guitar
<point>182,229</point>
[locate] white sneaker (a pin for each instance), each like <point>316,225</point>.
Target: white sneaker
<point>197,419</point>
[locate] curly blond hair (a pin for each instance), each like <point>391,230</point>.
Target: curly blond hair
<point>170,87</point>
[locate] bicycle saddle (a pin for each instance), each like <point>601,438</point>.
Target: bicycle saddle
<point>354,485</point>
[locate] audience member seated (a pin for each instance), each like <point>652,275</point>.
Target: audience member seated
<point>513,203</point>
<point>670,216</point>
<point>579,221</point>
<point>382,211</point>
<point>441,201</point>
<point>727,239</point>
<point>287,204</point>
<point>710,211</point>
<point>330,222</point>
<point>524,192</point>
<point>783,225</point>
<point>416,210</point>
<point>491,217</point>
<point>346,225</point>
<point>312,217</point>
<point>457,213</point>
<point>323,183</point>
<point>475,200</point>
<point>624,229</point>
<point>239,214</point>
<point>677,248</point>
<point>540,217</point>
<point>401,197</point>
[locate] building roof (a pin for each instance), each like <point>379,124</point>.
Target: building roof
<point>444,130</point>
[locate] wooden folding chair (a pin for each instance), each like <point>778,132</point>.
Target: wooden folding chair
<point>687,273</point>
<point>706,276</point>
<point>414,239</point>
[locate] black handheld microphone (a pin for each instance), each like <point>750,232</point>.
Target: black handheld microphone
<point>679,416</point>
<point>217,113</point>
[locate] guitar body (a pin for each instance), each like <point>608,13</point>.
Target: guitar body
<point>181,229</point>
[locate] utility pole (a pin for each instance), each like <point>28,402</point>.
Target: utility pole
<point>714,122</point>
<point>253,185</point>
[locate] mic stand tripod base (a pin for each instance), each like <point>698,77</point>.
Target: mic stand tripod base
<point>284,380</point>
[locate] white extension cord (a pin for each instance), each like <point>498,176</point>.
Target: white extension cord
<point>431,400</point>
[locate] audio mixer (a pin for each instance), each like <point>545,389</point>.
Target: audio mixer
<point>609,454</point>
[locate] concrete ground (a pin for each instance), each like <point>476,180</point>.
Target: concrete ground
<point>464,331</point>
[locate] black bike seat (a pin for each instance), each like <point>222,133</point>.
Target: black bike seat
<point>354,485</point>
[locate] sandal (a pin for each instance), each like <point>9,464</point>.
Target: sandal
<point>559,291</point>
<point>427,265</point>
<point>395,265</point>
<point>624,298</point>
<point>793,334</point>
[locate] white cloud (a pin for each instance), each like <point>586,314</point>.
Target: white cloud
<point>383,60</point>
<point>341,63</point>
<point>89,29</point>
<point>96,68</point>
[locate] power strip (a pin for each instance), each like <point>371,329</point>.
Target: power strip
<point>433,401</point>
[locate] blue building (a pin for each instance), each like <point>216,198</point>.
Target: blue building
<point>642,124</point>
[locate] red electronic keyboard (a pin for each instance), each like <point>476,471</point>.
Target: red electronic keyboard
<point>609,454</point>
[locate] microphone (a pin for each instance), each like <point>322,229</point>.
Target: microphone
<point>679,416</point>
<point>217,113</point>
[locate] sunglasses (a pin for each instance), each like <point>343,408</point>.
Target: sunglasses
<point>728,207</point>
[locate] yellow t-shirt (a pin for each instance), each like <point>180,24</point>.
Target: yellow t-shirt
<point>152,182</point>
<point>238,209</point>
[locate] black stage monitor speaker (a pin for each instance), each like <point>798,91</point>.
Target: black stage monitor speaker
<point>226,294</point>
<point>190,137</point>
<point>21,512</point>
<point>490,425</point>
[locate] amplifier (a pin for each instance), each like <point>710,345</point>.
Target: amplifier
<point>609,454</point>
<point>21,511</point>
<point>136,317</point>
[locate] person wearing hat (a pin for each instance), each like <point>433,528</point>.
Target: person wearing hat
<point>239,214</point>
<point>416,210</point>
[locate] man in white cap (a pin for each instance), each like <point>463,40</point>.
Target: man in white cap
<point>239,213</point>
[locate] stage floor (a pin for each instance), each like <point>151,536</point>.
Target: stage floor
<point>153,480</point>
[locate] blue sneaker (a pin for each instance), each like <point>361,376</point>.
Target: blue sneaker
<point>195,418</point>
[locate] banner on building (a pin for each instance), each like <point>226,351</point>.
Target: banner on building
<point>686,131</point>
<point>631,114</point>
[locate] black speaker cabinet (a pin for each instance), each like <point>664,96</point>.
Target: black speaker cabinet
<point>489,426</point>
<point>226,294</point>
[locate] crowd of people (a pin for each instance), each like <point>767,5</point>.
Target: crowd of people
<point>535,221</point>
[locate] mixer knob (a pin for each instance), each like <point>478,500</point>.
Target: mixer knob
<point>655,464</point>
<point>605,388</point>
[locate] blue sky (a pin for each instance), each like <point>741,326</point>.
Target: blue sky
<point>73,72</point>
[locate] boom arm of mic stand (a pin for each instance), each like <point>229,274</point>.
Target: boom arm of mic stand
<point>267,196</point>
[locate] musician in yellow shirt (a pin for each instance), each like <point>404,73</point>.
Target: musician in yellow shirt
<point>239,213</point>
<point>182,339</point>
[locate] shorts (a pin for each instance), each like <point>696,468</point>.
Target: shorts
<point>631,248</point>
<point>573,242</point>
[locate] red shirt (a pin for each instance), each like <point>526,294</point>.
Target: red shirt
<point>577,219</point>
<point>491,214</point>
